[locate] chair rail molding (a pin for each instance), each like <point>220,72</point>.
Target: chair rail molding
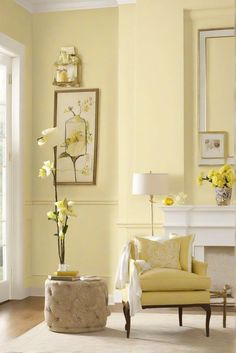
<point>212,225</point>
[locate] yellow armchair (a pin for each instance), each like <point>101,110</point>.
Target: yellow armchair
<point>171,287</point>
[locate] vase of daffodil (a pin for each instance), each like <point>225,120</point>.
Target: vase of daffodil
<point>222,180</point>
<point>62,208</point>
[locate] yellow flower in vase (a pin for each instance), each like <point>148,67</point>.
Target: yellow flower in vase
<point>222,180</point>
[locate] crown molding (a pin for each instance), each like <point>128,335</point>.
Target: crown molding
<point>37,6</point>
<point>125,2</point>
<point>27,5</point>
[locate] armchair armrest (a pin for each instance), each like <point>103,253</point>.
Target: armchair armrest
<point>132,263</point>
<point>140,265</point>
<point>199,267</point>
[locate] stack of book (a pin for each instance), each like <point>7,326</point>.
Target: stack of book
<point>65,276</point>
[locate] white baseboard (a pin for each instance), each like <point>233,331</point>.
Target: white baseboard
<point>36,291</point>
<point>20,294</point>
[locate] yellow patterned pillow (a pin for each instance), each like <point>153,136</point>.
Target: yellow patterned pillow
<point>159,254</point>
<point>186,242</point>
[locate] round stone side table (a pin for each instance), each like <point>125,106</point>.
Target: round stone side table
<point>76,306</point>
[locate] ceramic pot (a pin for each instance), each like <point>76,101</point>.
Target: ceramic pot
<point>223,196</point>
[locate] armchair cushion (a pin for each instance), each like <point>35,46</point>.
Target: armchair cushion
<point>159,254</point>
<point>166,279</point>
<point>185,250</point>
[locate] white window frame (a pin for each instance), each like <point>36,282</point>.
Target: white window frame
<point>16,51</point>
<point>6,222</point>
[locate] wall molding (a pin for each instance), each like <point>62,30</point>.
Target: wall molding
<point>37,6</point>
<point>139,225</point>
<point>76,202</point>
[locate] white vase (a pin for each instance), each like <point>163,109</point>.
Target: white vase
<point>63,267</point>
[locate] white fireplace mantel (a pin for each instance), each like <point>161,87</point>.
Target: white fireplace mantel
<point>212,225</point>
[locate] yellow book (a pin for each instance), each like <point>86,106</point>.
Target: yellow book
<point>66,273</point>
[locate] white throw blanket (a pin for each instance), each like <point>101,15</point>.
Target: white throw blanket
<point>122,278</point>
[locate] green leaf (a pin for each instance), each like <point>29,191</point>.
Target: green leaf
<point>56,235</point>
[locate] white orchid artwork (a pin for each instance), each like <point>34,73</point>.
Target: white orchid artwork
<point>76,119</point>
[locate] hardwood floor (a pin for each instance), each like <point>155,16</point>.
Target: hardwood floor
<point>19,316</point>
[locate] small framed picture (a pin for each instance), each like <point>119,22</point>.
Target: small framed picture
<point>212,147</point>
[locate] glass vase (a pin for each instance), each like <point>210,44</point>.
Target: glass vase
<point>63,267</point>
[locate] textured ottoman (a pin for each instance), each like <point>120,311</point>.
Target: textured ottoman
<point>79,306</point>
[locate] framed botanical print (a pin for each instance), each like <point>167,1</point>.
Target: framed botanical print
<point>212,147</point>
<point>76,116</point>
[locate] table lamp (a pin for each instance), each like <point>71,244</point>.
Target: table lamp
<point>150,184</point>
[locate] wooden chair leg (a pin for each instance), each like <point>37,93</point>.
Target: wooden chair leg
<point>224,305</point>
<point>207,308</point>
<point>180,316</point>
<point>126,312</point>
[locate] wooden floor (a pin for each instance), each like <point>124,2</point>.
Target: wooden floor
<point>19,316</point>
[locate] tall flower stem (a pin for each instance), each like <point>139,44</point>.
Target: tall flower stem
<point>60,245</point>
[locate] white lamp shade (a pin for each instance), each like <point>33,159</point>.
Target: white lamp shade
<point>150,184</point>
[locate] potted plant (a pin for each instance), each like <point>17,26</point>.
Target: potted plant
<point>62,208</point>
<point>222,180</point>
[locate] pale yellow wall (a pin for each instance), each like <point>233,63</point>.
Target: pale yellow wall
<point>157,123</point>
<point>143,58</point>
<point>195,20</point>
<point>90,236</point>
<point>16,23</point>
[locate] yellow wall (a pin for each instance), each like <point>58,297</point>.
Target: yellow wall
<point>90,235</point>
<point>194,21</point>
<point>16,23</point>
<point>157,106</point>
<point>143,58</point>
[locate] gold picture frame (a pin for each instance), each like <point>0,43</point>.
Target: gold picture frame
<point>76,116</point>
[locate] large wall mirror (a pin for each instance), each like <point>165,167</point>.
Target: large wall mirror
<point>216,88</point>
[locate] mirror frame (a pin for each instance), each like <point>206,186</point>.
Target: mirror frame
<point>204,34</point>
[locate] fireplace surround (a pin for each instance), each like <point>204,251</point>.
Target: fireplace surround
<point>214,229</point>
